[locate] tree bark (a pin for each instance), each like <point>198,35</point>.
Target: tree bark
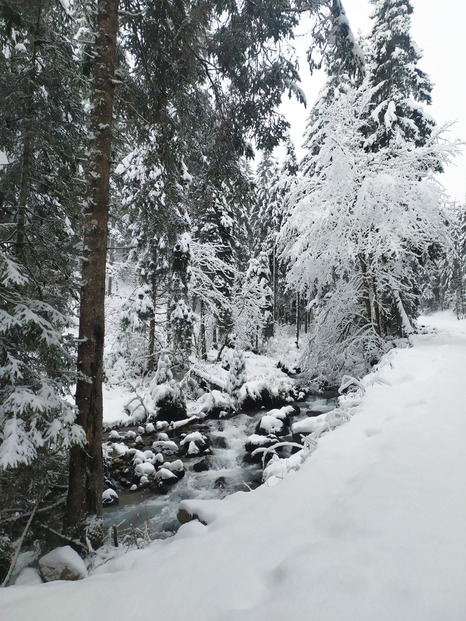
<point>86,467</point>
<point>202,334</point>
<point>298,319</point>
<point>27,155</point>
<point>154,293</point>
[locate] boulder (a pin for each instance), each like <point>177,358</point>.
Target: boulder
<point>62,564</point>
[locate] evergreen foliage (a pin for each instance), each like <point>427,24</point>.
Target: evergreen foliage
<point>42,128</point>
<point>397,87</point>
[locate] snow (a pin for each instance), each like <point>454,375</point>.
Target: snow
<point>115,401</point>
<point>371,527</point>
<point>271,424</point>
<point>63,561</point>
<point>146,469</point>
<point>195,436</point>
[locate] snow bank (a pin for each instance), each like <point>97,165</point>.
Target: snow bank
<point>371,528</point>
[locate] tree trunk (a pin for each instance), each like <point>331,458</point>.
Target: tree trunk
<point>27,145</point>
<point>274,285</point>
<point>151,359</point>
<point>202,334</point>
<point>86,467</point>
<point>298,319</point>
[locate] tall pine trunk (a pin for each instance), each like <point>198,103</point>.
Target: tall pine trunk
<point>152,324</point>
<point>86,467</point>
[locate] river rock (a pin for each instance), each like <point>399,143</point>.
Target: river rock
<point>110,497</point>
<point>62,564</point>
<point>201,466</point>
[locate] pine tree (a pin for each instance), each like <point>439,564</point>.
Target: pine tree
<point>42,127</point>
<point>398,88</point>
<point>41,136</point>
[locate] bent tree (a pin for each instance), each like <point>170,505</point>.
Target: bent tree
<point>86,474</point>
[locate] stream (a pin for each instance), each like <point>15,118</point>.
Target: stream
<point>228,473</point>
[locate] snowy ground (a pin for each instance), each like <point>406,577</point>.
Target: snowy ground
<point>371,528</point>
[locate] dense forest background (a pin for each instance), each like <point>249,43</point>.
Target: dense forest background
<point>142,198</point>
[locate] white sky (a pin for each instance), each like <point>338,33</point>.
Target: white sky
<point>438,30</point>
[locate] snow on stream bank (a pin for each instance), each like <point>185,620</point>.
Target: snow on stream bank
<point>371,528</point>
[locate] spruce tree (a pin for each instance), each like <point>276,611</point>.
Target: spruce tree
<point>398,87</point>
<point>42,127</point>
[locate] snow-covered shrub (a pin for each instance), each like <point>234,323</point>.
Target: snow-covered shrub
<point>166,393</point>
<point>236,372</point>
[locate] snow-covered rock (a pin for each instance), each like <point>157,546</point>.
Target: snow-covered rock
<point>167,447</point>
<point>166,475</point>
<point>176,467</point>
<point>63,563</point>
<point>110,497</point>
<point>195,436</point>
<point>270,425</point>
<point>145,469</point>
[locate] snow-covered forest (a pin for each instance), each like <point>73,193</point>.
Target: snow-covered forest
<point>175,282</point>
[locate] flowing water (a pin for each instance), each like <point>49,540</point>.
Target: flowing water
<point>228,473</point>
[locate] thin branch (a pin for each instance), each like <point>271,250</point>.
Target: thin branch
<point>20,542</point>
<point>43,510</point>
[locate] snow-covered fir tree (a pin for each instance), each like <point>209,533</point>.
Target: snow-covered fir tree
<point>41,184</point>
<point>398,87</point>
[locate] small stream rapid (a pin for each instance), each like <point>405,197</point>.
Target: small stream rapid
<point>228,473</point>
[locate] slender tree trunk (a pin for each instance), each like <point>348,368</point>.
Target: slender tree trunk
<point>151,360</point>
<point>367,292</point>
<point>27,144</point>
<point>298,318</point>
<point>274,285</point>
<point>403,323</point>
<point>202,334</point>
<point>86,467</point>
<point>23,196</point>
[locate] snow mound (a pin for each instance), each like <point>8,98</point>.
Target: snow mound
<point>62,564</point>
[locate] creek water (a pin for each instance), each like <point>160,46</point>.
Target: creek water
<point>228,473</point>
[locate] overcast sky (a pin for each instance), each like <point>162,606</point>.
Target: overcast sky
<point>438,29</point>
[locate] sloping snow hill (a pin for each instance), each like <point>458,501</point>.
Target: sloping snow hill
<point>371,528</point>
